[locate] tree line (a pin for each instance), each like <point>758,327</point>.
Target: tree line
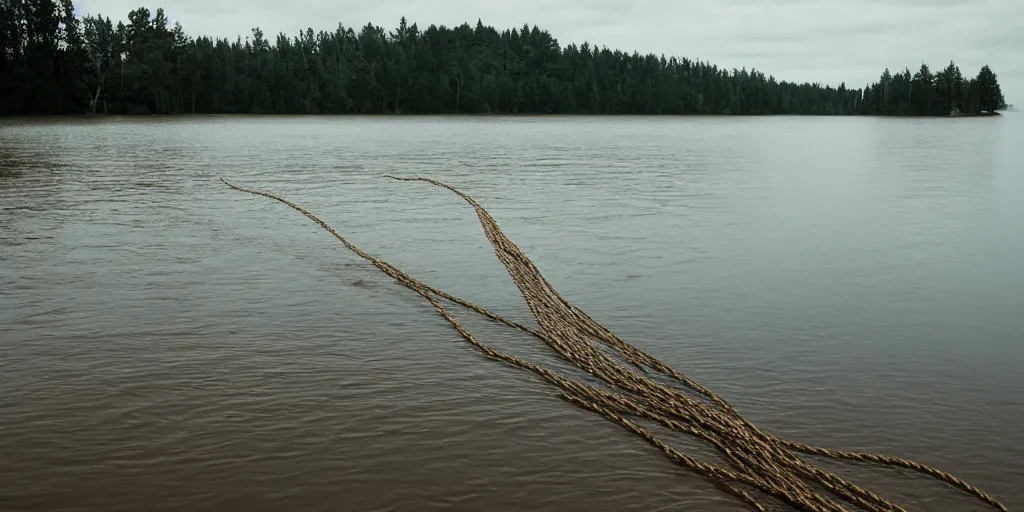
<point>53,62</point>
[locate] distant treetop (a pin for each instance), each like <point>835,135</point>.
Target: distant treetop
<point>54,62</point>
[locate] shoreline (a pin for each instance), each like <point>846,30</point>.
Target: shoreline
<point>474,114</point>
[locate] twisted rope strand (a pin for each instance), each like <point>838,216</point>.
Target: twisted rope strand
<point>756,460</point>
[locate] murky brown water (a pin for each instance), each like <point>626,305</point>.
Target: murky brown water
<point>169,344</point>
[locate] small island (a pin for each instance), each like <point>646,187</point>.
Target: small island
<point>53,62</point>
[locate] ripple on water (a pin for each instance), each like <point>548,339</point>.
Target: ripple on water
<point>168,343</point>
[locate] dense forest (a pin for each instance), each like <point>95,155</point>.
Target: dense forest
<point>53,62</point>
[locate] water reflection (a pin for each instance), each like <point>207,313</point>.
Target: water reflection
<point>846,282</point>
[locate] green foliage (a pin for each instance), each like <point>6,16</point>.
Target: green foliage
<point>41,57</point>
<point>51,62</point>
<point>990,96</point>
<point>941,94</point>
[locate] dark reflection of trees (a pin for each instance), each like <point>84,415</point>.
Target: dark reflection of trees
<point>8,169</point>
<point>31,174</point>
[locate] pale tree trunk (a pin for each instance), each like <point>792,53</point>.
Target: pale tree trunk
<point>96,98</point>
<point>458,94</point>
<point>99,88</point>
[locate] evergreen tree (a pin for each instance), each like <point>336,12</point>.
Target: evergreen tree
<point>54,63</point>
<point>923,92</point>
<point>990,96</point>
<point>101,52</point>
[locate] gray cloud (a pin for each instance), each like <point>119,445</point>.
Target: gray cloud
<point>828,41</point>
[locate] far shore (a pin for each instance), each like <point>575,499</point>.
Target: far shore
<point>469,114</point>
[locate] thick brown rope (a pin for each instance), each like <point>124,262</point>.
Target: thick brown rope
<point>756,460</point>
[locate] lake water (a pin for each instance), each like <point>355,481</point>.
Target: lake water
<point>167,343</point>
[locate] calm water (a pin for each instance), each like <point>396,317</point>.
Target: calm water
<point>167,343</point>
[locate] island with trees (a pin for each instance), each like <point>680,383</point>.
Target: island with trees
<point>54,62</point>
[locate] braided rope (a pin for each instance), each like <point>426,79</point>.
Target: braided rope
<point>757,461</point>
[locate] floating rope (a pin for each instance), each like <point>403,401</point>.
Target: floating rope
<point>757,462</point>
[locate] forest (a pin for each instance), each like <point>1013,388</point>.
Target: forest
<point>55,62</point>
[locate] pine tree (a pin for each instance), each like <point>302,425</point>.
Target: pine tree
<point>990,96</point>
<point>53,62</point>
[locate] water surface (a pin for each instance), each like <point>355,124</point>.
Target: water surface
<point>167,343</point>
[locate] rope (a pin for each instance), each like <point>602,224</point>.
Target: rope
<point>755,461</point>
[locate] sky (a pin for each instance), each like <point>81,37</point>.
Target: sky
<point>826,41</point>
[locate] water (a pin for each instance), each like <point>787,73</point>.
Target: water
<point>168,343</point>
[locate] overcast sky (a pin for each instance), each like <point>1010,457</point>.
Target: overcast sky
<point>828,41</point>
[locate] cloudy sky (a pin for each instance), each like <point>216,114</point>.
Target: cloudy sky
<point>828,41</point>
